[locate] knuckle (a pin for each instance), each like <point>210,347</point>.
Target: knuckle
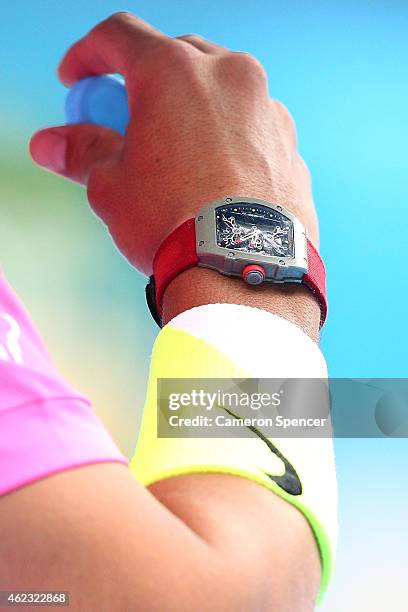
<point>119,18</point>
<point>284,113</point>
<point>244,70</point>
<point>170,53</point>
<point>249,65</point>
<point>191,38</point>
<point>285,118</point>
<point>174,50</point>
<point>117,21</point>
<point>305,169</point>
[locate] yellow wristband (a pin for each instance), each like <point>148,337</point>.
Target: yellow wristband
<point>178,354</point>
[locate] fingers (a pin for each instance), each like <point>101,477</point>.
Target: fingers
<point>117,44</point>
<point>202,44</point>
<point>74,151</point>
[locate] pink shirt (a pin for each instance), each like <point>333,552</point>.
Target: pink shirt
<point>46,426</point>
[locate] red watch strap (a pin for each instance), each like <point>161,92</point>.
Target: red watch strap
<point>175,254</point>
<point>315,279</point>
<point>178,253</point>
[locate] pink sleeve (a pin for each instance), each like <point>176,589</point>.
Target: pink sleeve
<point>46,426</point>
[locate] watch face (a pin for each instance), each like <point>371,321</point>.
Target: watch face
<point>254,228</point>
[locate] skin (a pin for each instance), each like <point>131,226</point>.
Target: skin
<point>203,126</point>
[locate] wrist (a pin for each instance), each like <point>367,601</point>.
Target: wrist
<point>199,192</point>
<point>198,286</point>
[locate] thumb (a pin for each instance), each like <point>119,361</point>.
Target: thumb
<point>74,150</point>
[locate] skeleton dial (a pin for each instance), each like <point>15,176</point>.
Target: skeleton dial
<point>254,228</point>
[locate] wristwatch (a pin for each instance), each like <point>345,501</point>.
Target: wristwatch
<point>239,236</point>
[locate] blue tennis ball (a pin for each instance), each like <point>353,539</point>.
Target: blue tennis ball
<point>101,100</point>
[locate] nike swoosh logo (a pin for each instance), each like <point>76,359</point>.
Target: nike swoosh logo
<point>289,481</point>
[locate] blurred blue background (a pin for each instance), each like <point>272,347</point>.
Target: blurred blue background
<point>341,68</point>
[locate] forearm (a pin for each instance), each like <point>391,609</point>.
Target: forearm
<point>99,535</point>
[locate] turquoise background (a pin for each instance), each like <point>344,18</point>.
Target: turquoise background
<point>341,68</point>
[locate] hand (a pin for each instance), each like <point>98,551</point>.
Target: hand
<point>202,126</point>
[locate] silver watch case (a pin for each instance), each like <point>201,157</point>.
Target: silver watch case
<point>232,262</point>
